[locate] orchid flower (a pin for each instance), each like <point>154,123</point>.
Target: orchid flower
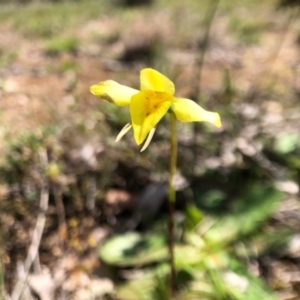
<point>149,104</point>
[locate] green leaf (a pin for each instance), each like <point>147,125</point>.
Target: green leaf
<point>213,198</point>
<point>228,281</point>
<point>255,289</point>
<point>263,243</point>
<point>140,289</point>
<point>150,285</point>
<point>287,142</point>
<point>193,216</point>
<point>134,249</point>
<point>248,214</point>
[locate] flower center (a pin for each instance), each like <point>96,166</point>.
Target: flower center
<point>154,99</point>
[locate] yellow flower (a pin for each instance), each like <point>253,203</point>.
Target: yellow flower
<point>151,103</point>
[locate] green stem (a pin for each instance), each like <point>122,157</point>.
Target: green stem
<point>172,199</point>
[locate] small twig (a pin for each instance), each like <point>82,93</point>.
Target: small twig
<point>36,237</point>
<point>37,265</point>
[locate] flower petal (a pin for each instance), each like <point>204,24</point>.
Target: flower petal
<point>113,92</point>
<point>143,120</point>
<point>149,139</point>
<point>189,111</point>
<point>124,130</point>
<point>151,80</point>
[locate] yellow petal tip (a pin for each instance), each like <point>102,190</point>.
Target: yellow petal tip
<point>113,92</point>
<point>148,140</point>
<point>99,90</point>
<point>217,122</point>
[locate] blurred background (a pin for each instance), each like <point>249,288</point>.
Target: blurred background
<point>82,217</point>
